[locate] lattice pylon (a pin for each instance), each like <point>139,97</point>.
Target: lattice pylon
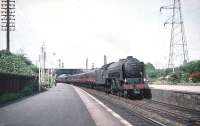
<point>178,53</point>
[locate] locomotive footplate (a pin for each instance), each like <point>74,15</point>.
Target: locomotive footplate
<point>133,86</point>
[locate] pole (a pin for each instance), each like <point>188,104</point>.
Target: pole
<point>44,55</point>
<point>8,19</point>
<point>92,66</point>
<point>105,59</point>
<point>39,72</point>
<point>86,63</point>
<point>48,77</point>
<point>8,26</point>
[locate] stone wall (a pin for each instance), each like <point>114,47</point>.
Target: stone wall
<point>184,99</point>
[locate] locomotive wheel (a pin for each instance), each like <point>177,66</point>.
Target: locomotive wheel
<point>108,86</point>
<point>140,96</point>
<point>107,90</point>
<point>147,93</point>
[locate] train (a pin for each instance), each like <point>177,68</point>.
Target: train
<point>125,78</point>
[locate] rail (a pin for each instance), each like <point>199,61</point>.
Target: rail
<point>154,111</point>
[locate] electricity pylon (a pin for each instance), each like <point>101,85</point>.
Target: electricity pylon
<point>178,53</point>
<point>8,19</point>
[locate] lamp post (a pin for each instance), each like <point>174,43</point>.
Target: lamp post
<point>40,74</point>
<point>50,76</point>
<point>52,70</point>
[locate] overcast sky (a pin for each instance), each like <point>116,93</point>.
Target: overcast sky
<point>77,29</point>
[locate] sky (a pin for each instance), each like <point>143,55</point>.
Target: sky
<point>77,29</point>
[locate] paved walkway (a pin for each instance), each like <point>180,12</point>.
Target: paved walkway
<point>63,105</point>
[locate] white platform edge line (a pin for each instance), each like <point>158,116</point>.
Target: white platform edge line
<point>122,120</point>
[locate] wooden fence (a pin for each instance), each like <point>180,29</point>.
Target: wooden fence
<point>14,82</point>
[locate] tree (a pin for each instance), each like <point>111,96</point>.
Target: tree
<point>191,67</point>
<point>149,66</point>
<point>150,70</point>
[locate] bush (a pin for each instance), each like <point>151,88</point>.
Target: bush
<point>184,77</point>
<point>8,97</point>
<point>191,67</point>
<point>185,73</point>
<point>173,77</point>
<point>19,64</point>
<point>195,77</point>
<point>28,90</point>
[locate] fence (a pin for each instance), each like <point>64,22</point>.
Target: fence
<point>14,82</point>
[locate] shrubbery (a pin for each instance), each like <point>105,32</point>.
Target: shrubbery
<point>195,76</point>
<point>8,97</point>
<point>19,64</point>
<point>189,72</point>
<point>26,91</point>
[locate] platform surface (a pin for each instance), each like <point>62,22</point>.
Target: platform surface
<point>189,89</point>
<point>64,105</point>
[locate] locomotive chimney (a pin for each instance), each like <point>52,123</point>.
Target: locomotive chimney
<point>129,57</point>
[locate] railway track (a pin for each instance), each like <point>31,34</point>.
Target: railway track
<point>133,117</point>
<point>174,115</point>
<point>136,119</point>
<point>153,112</point>
<point>172,112</point>
<point>186,112</point>
<point>178,108</point>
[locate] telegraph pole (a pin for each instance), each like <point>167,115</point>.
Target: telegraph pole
<point>178,43</point>
<point>8,19</point>
<point>8,26</point>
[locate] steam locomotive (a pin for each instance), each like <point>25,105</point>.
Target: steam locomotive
<point>124,78</point>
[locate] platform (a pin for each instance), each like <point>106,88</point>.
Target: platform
<point>184,96</point>
<point>63,105</point>
<point>181,88</point>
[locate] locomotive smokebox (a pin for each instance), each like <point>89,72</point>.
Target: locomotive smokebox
<point>133,68</point>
